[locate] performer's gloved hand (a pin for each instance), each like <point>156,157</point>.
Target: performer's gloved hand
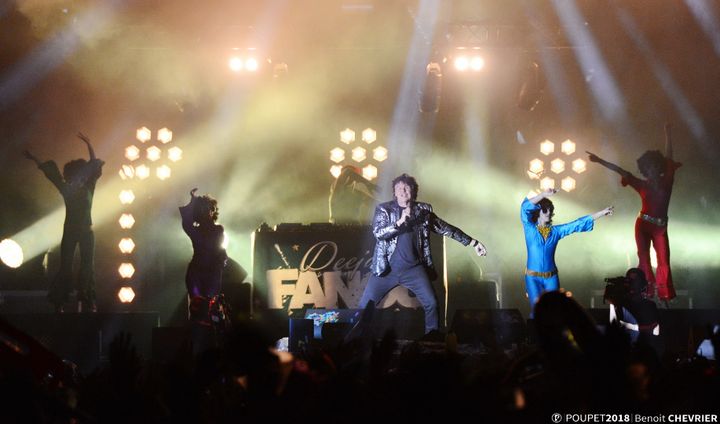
<point>480,248</point>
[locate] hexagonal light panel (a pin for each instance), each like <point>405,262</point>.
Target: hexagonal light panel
<point>335,170</point>
<point>369,172</point>
<point>127,172</point>
<point>126,197</point>
<point>164,135</point>
<point>547,183</point>
<point>567,147</point>
<point>153,153</point>
<point>579,166</point>
<point>126,270</point>
<point>567,184</point>
<point>126,294</point>
<point>175,154</point>
<point>380,153</point>
<point>359,154</point>
<point>536,167</point>
<point>163,172</point>
<point>557,166</point>
<point>337,155</point>
<point>143,134</point>
<point>126,221</point>
<point>126,245</point>
<point>547,147</point>
<point>347,136</point>
<point>369,135</point>
<point>132,152</point>
<point>142,172</point>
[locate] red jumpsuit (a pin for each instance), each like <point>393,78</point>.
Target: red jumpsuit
<point>651,226</point>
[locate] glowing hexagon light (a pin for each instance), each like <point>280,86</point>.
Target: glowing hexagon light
<point>547,183</point>
<point>153,153</point>
<point>579,166</point>
<point>126,245</point>
<point>557,165</point>
<point>126,270</point>
<point>142,172</point>
<point>126,294</point>
<point>126,221</point>
<point>127,172</point>
<point>369,135</point>
<point>175,154</point>
<point>547,147</point>
<point>163,172</point>
<point>335,170</point>
<point>536,168</point>
<point>380,153</point>
<point>337,155</point>
<point>568,184</point>
<point>164,135</point>
<point>567,147</point>
<point>347,136</point>
<point>369,172</point>
<point>132,153</point>
<point>143,134</point>
<point>126,197</point>
<point>359,154</point>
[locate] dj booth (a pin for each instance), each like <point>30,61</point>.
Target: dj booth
<point>297,267</point>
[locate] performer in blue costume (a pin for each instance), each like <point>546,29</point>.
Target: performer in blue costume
<point>541,238</point>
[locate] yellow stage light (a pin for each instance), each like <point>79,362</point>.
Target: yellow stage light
<point>335,170</point>
<point>567,147</point>
<point>175,154</point>
<point>126,221</point>
<point>127,172</point>
<point>568,184</point>
<point>252,64</point>
<point>557,166</point>
<point>132,152</point>
<point>579,166</point>
<point>359,154</point>
<point>369,172</point>
<point>126,294</point>
<point>380,153</point>
<point>142,172</point>
<point>235,64</point>
<point>126,270</point>
<point>369,135</point>
<point>11,254</point>
<point>164,135</point>
<point>126,197</point>
<point>462,63</point>
<point>547,183</point>
<point>536,167</point>
<point>547,147</point>
<point>163,172</point>
<point>477,63</point>
<point>347,136</point>
<point>337,155</point>
<point>126,245</point>
<point>153,153</point>
<point>143,134</point>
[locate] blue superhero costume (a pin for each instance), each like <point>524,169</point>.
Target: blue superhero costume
<point>541,272</point>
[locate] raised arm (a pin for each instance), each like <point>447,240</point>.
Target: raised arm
<point>609,165</point>
<point>668,141</point>
<point>605,212</point>
<point>85,139</point>
<point>543,194</point>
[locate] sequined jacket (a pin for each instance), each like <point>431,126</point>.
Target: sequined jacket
<point>423,220</point>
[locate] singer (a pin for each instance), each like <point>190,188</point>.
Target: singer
<point>402,250</point>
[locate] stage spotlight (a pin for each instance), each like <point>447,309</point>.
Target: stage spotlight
<point>369,172</point>
<point>153,153</point>
<point>127,172</point>
<point>126,245</point>
<point>335,170</point>
<point>163,172</point>
<point>126,221</point>
<point>568,184</point>
<point>175,154</point>
<point>126,294</point>
<point>462,63</point>
<point>126,197</point>
<point>143,134</point>
<point>477,63</point>
<point>547,183</point>
<point>359,154</point>
<point>579,166</point>
<point>251,64</point>
<point>567,147</point>
<point>369,135</point>
<point>132,153</point>
<point>536,168</point>
<point>547,147</point>
<point>557,165</point>
<point>126,270</point>
<point>164,135</point>
<point>142,172</point>
<point>347,136</point>
<point>430,98</point>
<point>11,254</point>
<point>235,64</point>
<point>337,155</point>
<point>380,153</point>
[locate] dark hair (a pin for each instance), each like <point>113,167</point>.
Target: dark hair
<point>638,284</point>
<point>205,210</point>
<point>74,168</point>
<point>651,159</point>
<point>545,206</point>
<point>410,181</point>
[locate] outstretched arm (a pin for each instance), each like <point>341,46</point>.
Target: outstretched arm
<point>85,139</point>
<point>605,212</point>
<point>609,165</point>
<point>668,141</point>
<point>31,157</point>
<point>543,194</point>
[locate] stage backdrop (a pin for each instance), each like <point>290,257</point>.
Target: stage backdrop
<point>296,267</point>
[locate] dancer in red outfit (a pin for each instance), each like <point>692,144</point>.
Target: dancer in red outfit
<point>651,223</point>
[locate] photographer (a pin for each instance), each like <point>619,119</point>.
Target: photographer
<point>630,306</point>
